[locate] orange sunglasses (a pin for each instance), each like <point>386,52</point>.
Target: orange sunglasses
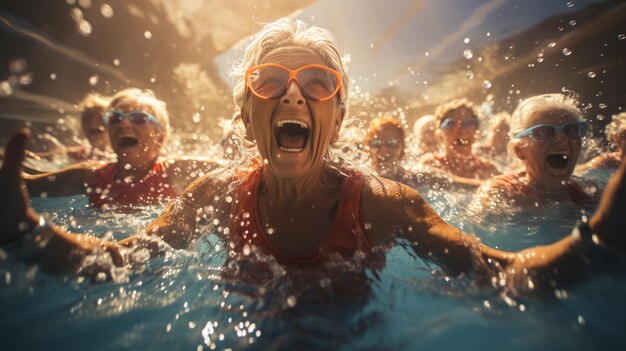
<point>316,82</point>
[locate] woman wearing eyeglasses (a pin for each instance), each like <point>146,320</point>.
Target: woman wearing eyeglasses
<point>293,206</point>
<point>546,135</point>
<point>458,127</point>
<point>385,142</point>
<point>138,125</point>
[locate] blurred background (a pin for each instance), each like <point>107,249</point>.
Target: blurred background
<point>406,56</point>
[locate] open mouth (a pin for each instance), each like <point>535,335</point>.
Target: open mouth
<point>127,142</point>
<point>291,135</point>
<point>558,160</point>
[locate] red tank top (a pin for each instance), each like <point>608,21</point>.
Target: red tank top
<point>345,236</point>
<point>574,188</point>
<point>108,191</point>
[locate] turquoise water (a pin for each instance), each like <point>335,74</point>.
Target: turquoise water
<point>181,301</point>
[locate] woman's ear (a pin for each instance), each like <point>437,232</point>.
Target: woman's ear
<point>337,127</point>
<point>245,118</point>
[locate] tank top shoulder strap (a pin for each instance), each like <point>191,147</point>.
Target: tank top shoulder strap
<point>347,232</point>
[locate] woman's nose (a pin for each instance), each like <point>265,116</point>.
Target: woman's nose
<point>293,95</point>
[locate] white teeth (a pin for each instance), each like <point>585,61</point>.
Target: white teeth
<point>291,149</point>
<point>295,121</point>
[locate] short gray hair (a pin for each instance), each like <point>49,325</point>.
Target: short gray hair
<point>543,103</point>
<point>145,98</point>
<point>286,32</point>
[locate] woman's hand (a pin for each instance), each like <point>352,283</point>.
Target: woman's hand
<point>609,221</point>
<point>16,215</point>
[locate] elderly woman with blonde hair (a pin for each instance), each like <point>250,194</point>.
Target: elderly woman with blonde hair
<point>385,144</point>
<point>137,125</point>
<point>458,128</point>
<point>546,136</point>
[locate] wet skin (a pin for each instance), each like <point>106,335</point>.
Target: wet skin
<point>94,129</point>
<point>385,157</point>
<point>136,145</point>
<point>459,140</point>
<point>541,172</point>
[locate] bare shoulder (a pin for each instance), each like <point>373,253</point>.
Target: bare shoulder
<point>209,188</point>
<point>387,205</point>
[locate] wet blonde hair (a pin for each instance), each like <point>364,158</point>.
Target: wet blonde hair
<point>286,32</point>
<point>145,99</point>
<point>90,104</point>
<point>618,123</point>
<point>543,103</point>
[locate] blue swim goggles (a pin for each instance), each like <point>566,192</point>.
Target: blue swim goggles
<point>544,132</point>
<point>112,117</point>
<point>457,123</point>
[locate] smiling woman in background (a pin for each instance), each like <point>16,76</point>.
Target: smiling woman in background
<point>547,132</point>
<point>385,142</point>
<point>458,128</point>
<point>137,125</point>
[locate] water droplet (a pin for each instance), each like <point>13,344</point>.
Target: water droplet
<point>312,18</point>
<point>591,74</point>
<point>426,53</point>
<point>486,84</point>
<point>602,105</point>
<point>70,2</point>
<point>116,62</point>
<point>540,59</point>
<point>76,14</point>
<point>367,226</point>
<point>84,28</point>
<point>85,3</point>
<point>106,10</point>
<point>246,250</point>
<point>291,301</point>
<point>600,117</point>
<point>53,76</point>
<point>566,52</point>
<point>153,79</point>
<point>552,44</point>
<point>468,54</point>
<point>196,118</point>
<point>581,320</point>
<point>147,34</point>
<point>26,79</point>
<point>127,166</point>
<point>17,66</point>
<point>469,75</point>
<point>570,4</point>
<point>93,80</point>
<point>621,36</point>
<point>371,45</point>
<point>572,23</point>
<point>466,40</point>
<point>488,34</point>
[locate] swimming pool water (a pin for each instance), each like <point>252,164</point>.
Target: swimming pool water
<point>180,301</point>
